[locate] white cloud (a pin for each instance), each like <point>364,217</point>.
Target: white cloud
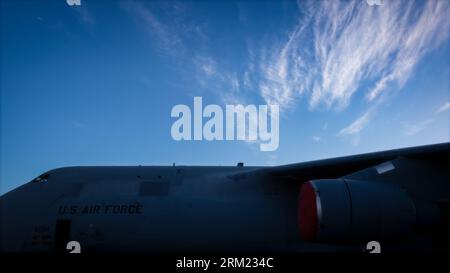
<point>208,69</point>
<point>374,2</point>
<point>356,126</point>
<point>443,108</point>
<point>73,2</point>
<point>185,41</point>
<point>168,41</point>
<point>169,36</point>
<point>207,65</point>
<point>413,129</point>
<point>281,71</point>
<point>233,81</point>
<point>340,46</point>
<point>336,49</point>
<point>316,138</point>
<point>247,81</point>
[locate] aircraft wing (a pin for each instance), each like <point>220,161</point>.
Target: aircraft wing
<point>340,166</point>
<point>383,195</point>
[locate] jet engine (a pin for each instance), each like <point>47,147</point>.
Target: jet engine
<point>343,210</point>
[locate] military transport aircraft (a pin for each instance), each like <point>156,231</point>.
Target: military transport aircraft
<point>399,198</point>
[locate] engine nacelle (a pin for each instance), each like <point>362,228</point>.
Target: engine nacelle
<point>343,210</point>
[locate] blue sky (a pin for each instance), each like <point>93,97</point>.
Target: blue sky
<point>94,84</point>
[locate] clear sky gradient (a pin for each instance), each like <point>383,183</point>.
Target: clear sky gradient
<point>94,84</point>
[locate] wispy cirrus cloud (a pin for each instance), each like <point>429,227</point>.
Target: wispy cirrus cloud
<point>357,125</point>
<point>336,49</point>
<point>443,108</point>
<point>185,40</point>
<point>341,47</point>
<point>412,129</point>
<point>172,31</point>
<point>167,39</point>
<point>207,65</point>
<point>352,131</point>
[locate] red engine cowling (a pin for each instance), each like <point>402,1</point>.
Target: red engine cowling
<point>343,210</point>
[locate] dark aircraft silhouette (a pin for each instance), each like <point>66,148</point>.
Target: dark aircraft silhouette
<point>399,198</point>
